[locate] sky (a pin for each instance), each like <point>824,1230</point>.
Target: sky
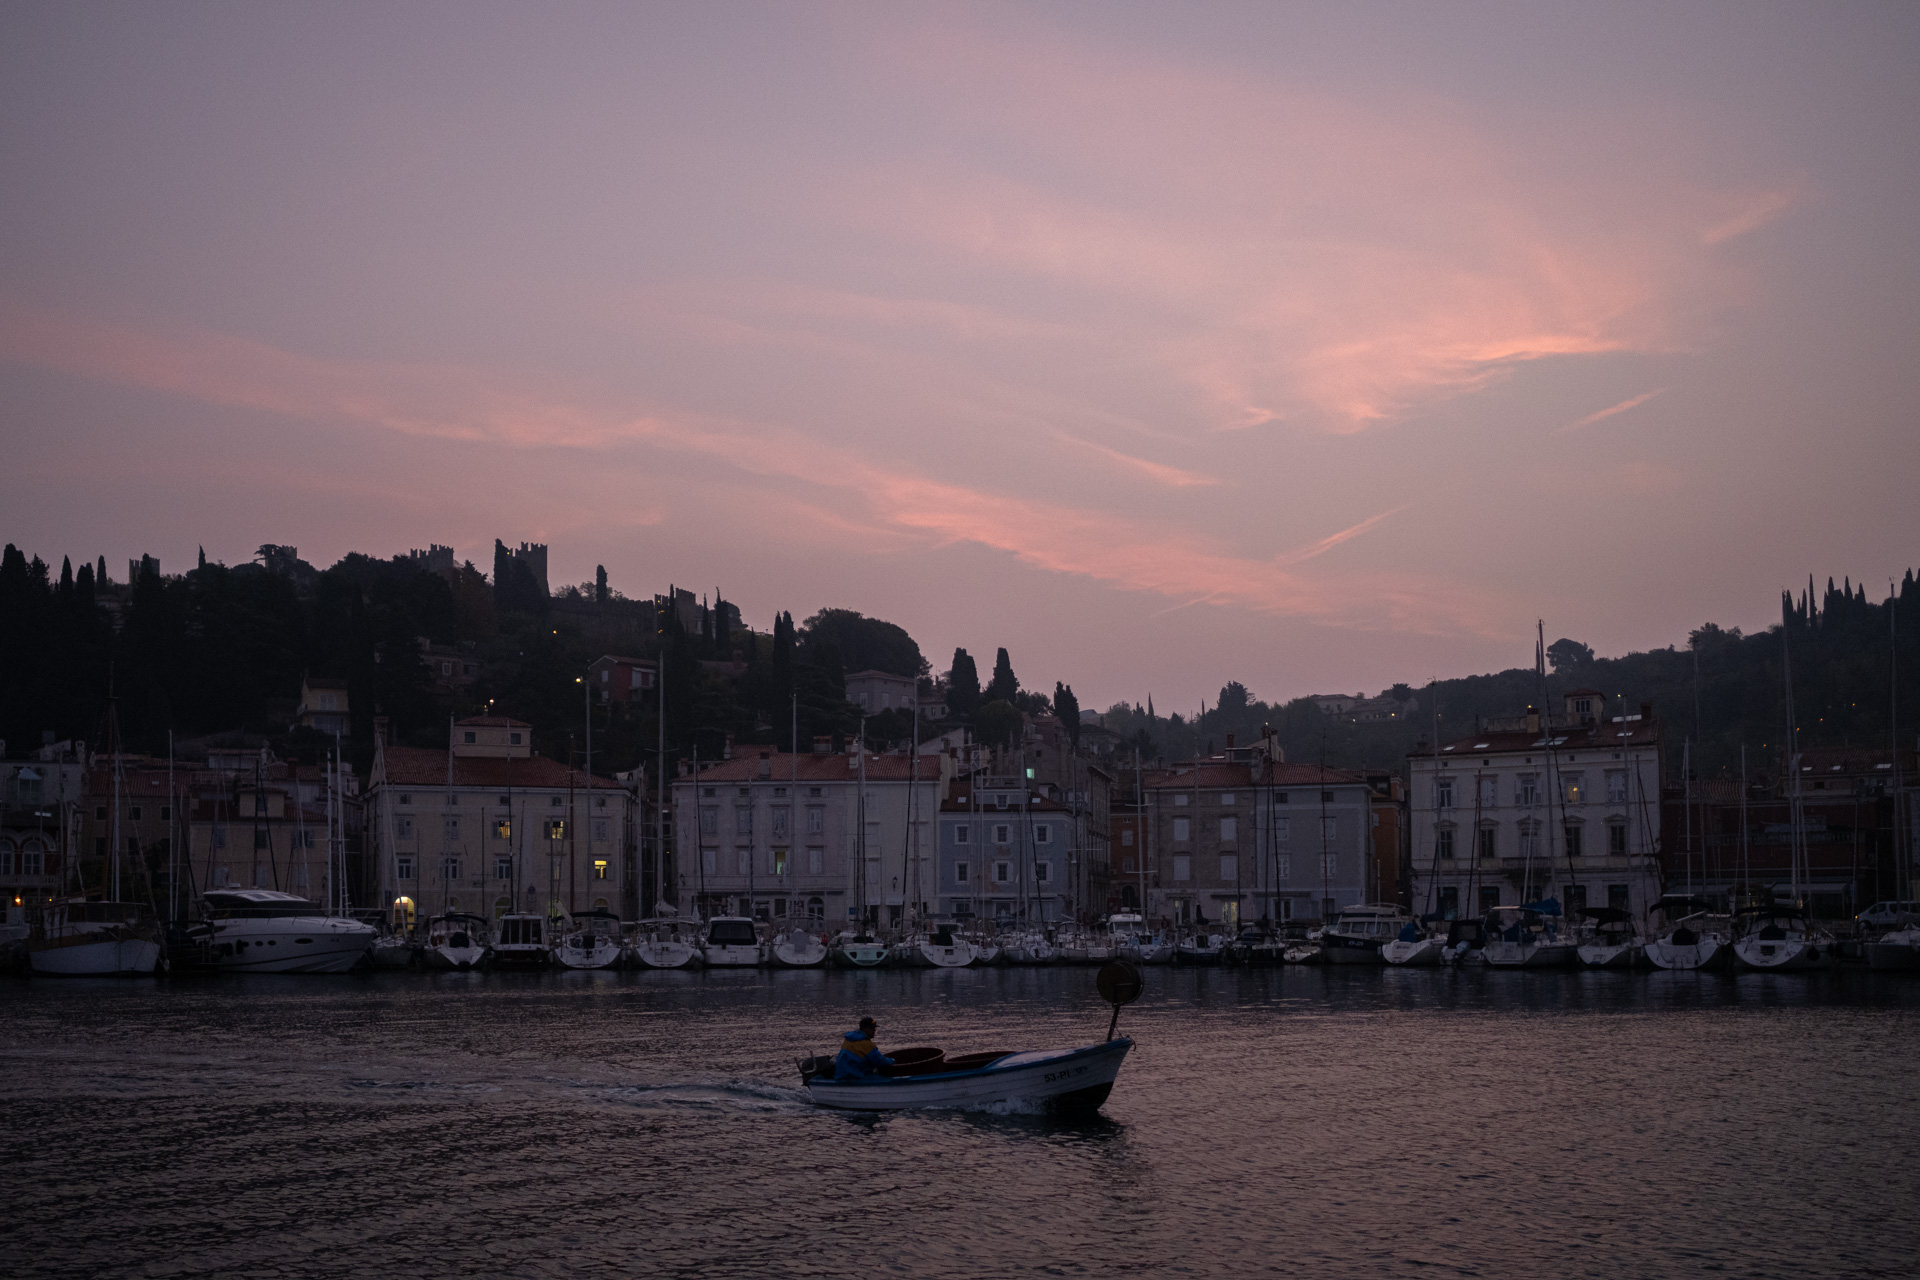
<point>1317,347</point>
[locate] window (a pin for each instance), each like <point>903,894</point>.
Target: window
<point>1489,897</point>
<point>1620,897</point>
<point>963,907</point>
<point>1329,866</point>
<point>1576,784</point>
<point>1126,865</point>
<point>1229,828</point>
<point>1283,866</point>
<point>1616,786</point>
<point>405,798</point>
<point>743,861</point>
<point>134,813</point>
<point>1329,829</point>
<point>503,829</point>
<point>466,737</point>
<point>453,828</point>
<point>708,792</point>
<point>503,801</point>
<point>33,859</point>
<point>816,861</point>
<point>100,813</point>
<point>514,739</point>
<point>503,868</point>
<point>1489,792</point>
<point>1181,827</point>
<point>556,828</point>
<point>742,820</point>
<point>710,861</point>
<point>450,869</point>
<point>1126,838</point>
<point>1450,902</point>
<point>1529,839</point>
<point>1001,833</point>
<point>403,867</point>
<point>1042,872</point>
<point>1443,793</point>
<point>220,835</point>
<point>554,802</point>
<point>602,827</point>
<point>1576,899</point>
<point>1043,834</point>
<point>1616,839</point>
<point>6,859</point>
<point>962,834</point>
<point>1180,800</point>
<point>1573,840</point>
<point>1182,867</point>
<point>262,838</point>
<point>1229,866</point>
<point>1489,846</point>
<point>166,813</point>
<point>709,821</point>
<point>813,791</point>
<point>1443,842</point>
<point>960,872</point>
<point>780,822</point>
<point>816,818</point>
<point>1283,830</point>
<point>305,841</point>
<point>599,868</point>
<point>1527,790</point>
<point>1003,872</point>
<point>779,862</point>
<point>402,827</point>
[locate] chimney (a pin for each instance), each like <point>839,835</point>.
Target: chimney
<point>766,765</point>
<point>726,752</point>
<point>1533,719</point>
<point>1229,742</point>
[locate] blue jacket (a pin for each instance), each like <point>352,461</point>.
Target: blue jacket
<point>858,1057</point>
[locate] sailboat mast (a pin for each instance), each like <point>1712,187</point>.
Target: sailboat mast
<point>116,848</point>
<point>1686,807</point>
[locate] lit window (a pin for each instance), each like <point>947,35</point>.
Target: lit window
<point>600,869</point>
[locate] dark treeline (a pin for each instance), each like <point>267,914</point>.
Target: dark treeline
<point>1722,690</point>
<point>223,649</point>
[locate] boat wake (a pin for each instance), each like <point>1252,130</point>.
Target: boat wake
<point>717,1095</point>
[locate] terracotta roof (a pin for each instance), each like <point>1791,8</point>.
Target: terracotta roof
<point>782,765</point>
<point>1600,737</point>
<point>426,768</point>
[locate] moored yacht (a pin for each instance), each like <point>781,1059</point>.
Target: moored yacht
<point>82,938</point>
<point>1781,937</point>
<point>1615,943</point>
<point>456,941</point>
<point>1359,932</point>
<point>1696,938</point>
<point>1200,948</point>
<point>1415,947</point>
<point>1529,937</point>
<point>591,940</point>
<point>521,941</point>
<point>732,942</point>
<point>798,949</point>
<point>860,950</point>
<point>665,943</point>
<point>942,949</point>
<point>266,931</point>
<point>1897,950</point>
<point>1132,940</point>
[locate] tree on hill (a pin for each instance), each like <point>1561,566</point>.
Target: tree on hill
<point>866,644</point>
<point>963,684</point>
<point>1566,656</point>
<point>1067,708</point>
<point>1005,686</point>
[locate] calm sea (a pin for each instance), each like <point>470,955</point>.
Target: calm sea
<point>1323,1123</point>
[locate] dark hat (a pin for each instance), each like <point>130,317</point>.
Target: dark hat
<point>868,1022</point>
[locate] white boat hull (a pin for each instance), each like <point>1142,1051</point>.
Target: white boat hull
<point>393,953</point>
<point>1611,955</point>
<point>1895,951</point>
<point>1526,955</point>
<point>105,957</point>
<point>666,955</point>
<point>603,954</point>
<point>446,958</point>
<point>291,944</point>
<point>1783,955</point>
<point>727,957</point>
<point>862,955</point>
<point>1419,953</point>
<point>806,952</point>
<point>1703,953</point>
<point>957,956</point>
<point>1069,1079</point>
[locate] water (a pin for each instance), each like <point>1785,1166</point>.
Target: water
<point>1323,1122</point>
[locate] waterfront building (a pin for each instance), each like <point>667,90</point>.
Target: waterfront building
<point>41,799</point>
<point>246,822</point>
<point>1542,805</point>
<point>489,827</point>
<point>779,836</point>
<point>1244,835</point>
<point>1008,849</point>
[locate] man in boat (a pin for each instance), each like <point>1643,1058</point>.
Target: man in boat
<point>859,1056</point>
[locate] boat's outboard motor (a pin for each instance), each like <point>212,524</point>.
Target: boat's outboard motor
<point>816,1066</point>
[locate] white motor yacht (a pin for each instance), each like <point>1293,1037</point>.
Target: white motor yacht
<point>1414,948</point>
<point>1529,937</point>
<point>591,940</point>
<point>798,949</point>
<point>732,942</point>
<point>455,941</point>
<point>1781,938</point>
<point>81,938</point>
<point>522,940</point>
<point>266,931</point>
<point>666,943</point>
<point>1897,950</point>
<point>1358,933</point>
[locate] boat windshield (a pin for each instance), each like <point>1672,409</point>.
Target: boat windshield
<point>259,906</point>
<point>732,933</point>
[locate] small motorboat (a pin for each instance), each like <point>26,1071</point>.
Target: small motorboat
<point>1357,935</point>
<point>1060,1080</point>
<point>1133,941</point>
<point>1201,949</point>
<point>732,942</point>
<point>592,941</point>
<point>1529,937</point>
<point>1614,944</point>
<point>521,941</point>
<point>1414,948</point>
<point>455,941</point>
<point>665,943</point>
<point>798,949</point>
<point>1464,942</point>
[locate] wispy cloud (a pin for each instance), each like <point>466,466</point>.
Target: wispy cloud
<point>1612,410</point>
<point>1762,210</point>
<point>1158,472</point>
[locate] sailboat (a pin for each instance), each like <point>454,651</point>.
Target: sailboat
<point>732,942</point>
<point>1780,937</point>
<point>665,943</point>
<point>1528,937</point>
<point>1358,933</point>
<point>1696,939</point>
<point>591,940</point>
<point>1615,943</point>
<point>456,941</point>
<point>798,949</point>
<point>942,949</point>
<point>1413,947</point>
